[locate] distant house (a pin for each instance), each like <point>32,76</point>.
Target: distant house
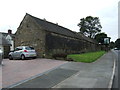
<point>4,45</point>
<point>10,37</point>
<point>49,38</point>
<point>7,41</point>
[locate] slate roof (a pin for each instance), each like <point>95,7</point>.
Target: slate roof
<point>6,34</point>
<point>48,26</point>
<point>3,41</point>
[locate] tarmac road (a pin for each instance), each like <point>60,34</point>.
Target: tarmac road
<point>116,80</point>
<point>76,75</point>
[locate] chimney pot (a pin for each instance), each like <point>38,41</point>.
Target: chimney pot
<point>9,31</point>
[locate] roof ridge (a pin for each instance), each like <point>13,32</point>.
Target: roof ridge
<point>50,22</point>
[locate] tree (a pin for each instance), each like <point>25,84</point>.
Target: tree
<point>117,43</point>
<point>112,45</point>
<point>90,26</point>
<point>100,37</point>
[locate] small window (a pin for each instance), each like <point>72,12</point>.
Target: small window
<point>17,49</point>
<point>27,25</point>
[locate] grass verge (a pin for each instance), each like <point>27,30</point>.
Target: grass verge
<point>86,57</point>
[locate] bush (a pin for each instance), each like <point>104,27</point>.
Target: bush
<point>60,55</point>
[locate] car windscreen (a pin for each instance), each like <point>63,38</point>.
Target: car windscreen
<point>29,48</point>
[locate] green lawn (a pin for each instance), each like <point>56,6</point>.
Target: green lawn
<point>86,57</point>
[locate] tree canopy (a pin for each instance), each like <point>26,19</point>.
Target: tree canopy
<point>117,43</point>
<point>100,37</point>
<point>90,26</point>
<point>112,45</point>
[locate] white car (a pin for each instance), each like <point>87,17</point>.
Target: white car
<point>23,52</point>
<point>116,49</point>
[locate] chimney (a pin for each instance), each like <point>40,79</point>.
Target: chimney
<point>44,19</point>
<point>57,23</point>
<point>9,31</point>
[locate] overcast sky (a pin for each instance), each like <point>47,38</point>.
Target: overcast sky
<point>66,13</point>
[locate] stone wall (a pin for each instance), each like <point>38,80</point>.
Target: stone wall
<point>56,44</point>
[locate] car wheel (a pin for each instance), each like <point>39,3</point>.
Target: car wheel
<point>10,57</point>
<point>23,57</point>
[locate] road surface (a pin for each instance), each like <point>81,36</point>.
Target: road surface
<point>116,80</point>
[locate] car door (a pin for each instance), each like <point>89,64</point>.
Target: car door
<point>16,53</point>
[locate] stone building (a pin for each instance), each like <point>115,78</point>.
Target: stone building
<point>9,36</point>
<point>4,46</point>
<point>49,38</point>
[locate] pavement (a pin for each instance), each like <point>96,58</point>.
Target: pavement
<point>98,74</point>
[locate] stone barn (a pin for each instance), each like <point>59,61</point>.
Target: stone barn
<point>48,38</point>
